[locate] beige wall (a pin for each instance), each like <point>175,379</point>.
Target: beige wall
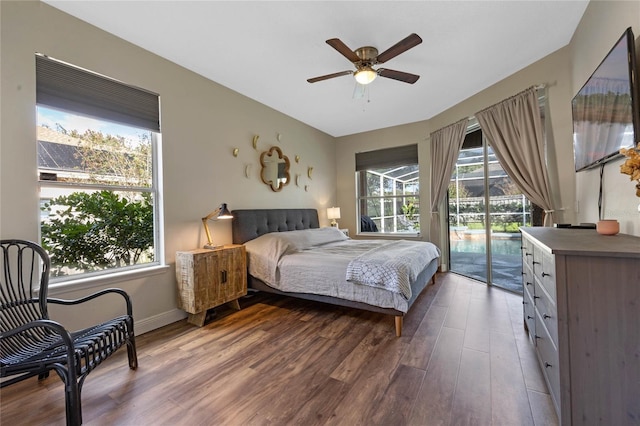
<point>201,124</point>
<point>602,24</point>
<point>563,72</point>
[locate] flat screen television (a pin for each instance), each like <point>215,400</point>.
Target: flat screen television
<point>606,109</point>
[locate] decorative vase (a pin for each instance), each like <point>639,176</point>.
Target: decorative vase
<point>608,227</point>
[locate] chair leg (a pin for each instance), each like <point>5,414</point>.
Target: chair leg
<point>73,406</point>
<point>43,376</point>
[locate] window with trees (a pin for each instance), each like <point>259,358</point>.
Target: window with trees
<point>388,189</point>
<point>98,147</point>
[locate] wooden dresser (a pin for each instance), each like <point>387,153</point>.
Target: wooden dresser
<point>582,310</point>
<point>209,278</point>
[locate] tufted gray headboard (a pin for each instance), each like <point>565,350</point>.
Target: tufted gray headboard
<point>250,224</point>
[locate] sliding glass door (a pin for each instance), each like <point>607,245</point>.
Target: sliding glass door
<point>486,210</point>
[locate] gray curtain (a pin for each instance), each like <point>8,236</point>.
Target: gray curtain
<point>445,146</point>
<point>514,130</point>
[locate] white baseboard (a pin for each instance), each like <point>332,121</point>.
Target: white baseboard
<point>147,324</point>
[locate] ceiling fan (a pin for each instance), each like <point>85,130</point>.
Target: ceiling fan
<point>364,58</point>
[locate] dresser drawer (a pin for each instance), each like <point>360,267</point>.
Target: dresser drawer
<point>548,274</point>
<point>549,361</point>
<point>529,312</point>
<point>544,267</point>
<point>546,311</point>
<point>527,254</point>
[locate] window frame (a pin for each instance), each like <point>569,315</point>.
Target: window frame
<point>393,159</point>
<point>116,273</point>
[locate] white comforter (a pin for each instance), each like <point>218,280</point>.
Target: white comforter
<point>316,261</point>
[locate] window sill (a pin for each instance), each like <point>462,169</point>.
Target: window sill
<point>67,286</point>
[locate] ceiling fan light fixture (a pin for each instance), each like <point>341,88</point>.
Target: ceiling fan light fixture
<point>365,75</point>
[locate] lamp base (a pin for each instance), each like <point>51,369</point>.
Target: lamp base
<point>213,247</point>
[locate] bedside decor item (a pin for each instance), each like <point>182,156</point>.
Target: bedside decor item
<point>275,169</point>
<point>333,213</point>
<point>631,165</point>
<point>220,213</point>
<point>608,227</point>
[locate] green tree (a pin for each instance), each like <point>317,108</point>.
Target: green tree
<point>460,191</point>
<point>99,230</point>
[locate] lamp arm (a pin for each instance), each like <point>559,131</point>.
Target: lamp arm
<point>206,226</point>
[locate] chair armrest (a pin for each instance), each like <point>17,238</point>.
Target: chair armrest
<point>54,326</point>
<point>121,292</point>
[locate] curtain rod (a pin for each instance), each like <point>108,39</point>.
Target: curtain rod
<point>471,118</point>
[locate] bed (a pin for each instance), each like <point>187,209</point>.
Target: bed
<point>288,253</point>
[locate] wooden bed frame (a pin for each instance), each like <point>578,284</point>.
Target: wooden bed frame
<point>250,224</point>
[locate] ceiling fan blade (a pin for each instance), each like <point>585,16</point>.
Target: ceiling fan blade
<point>328,76</point>
<point>337,44</point>
<point>398,75</point>
<point>402,46</point>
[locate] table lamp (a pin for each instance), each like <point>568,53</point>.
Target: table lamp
<point>220,213</point>
<point>333,213</point>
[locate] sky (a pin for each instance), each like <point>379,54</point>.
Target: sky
<point>49,117</point>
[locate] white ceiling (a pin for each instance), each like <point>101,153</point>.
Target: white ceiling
<point>266,50</point>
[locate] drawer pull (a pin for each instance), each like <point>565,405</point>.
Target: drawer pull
<point>223,277</point>
<point>544,274</point>
<point>529,317</point>
<point>537,337</point>
<point>547,365</point>
<point>545,316</point>
<point>536,263</point>
<point>536,297</point>
<point>527,254</point>
<point>528,283</point>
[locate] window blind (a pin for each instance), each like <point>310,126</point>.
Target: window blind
<point>69,88</point>
<point>388,157</point>
<point>473,140</point>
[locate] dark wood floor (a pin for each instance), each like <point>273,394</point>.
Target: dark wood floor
<point>463,359</point>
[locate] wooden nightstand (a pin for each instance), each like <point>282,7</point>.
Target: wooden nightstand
<point>209,278</point>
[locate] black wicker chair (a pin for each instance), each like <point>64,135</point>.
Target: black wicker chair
<point>32,345</point>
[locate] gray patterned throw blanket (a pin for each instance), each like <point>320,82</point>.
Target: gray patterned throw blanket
<point>392,266</point>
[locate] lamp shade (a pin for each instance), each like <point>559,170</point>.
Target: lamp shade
<point>365,75</point>
<point>224,212</point>
<point>333,213</point>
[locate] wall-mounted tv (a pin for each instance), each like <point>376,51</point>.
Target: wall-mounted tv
<point>606,110</point>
